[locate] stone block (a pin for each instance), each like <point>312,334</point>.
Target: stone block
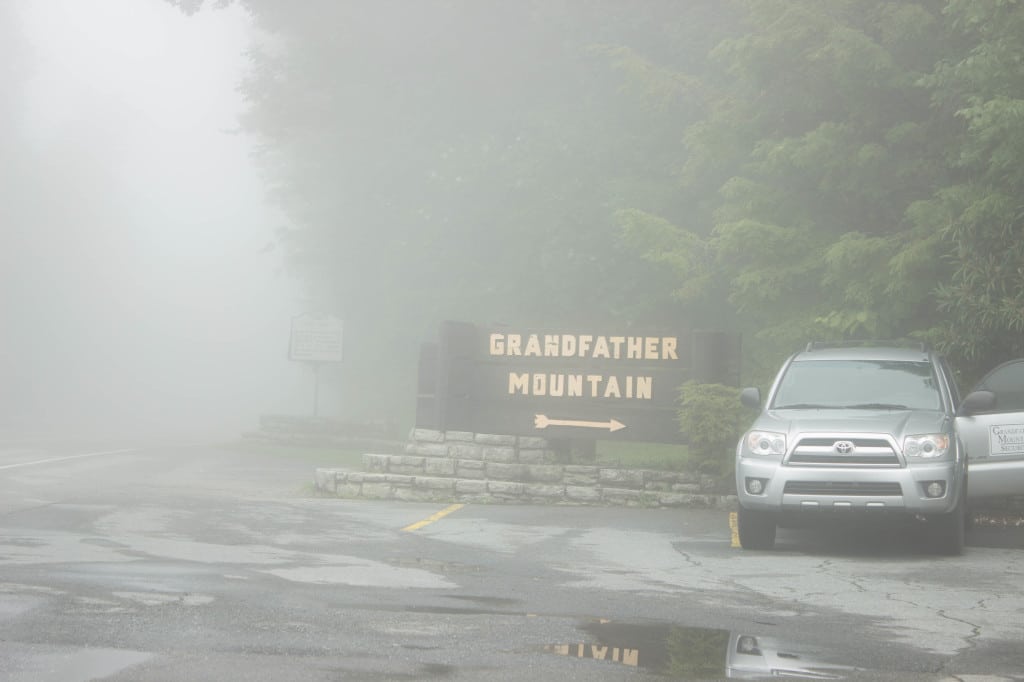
<point>532,443</point>
<point>427,449</point>
<point>325,480</point>
<point>434,483</point>
<point>686,488</point>
<point>505,488</point>
<point>672,499</point>
<point>667,477</point>
<point>399,479</point>
<point>495,439</point>
<point>427,436</point>
<point>348,490</point>
<point>466,451</point>
<point>696,501</point>
<point>376,463</point>
<point>417,495</point>
<point>544,491</point>
<point>377,491</point>
<point>657,486</point>
<point>469,468</point>
<point>433,466</point>
<point>370,478</point>
<point>461,436</point>
<point>464,487</point>
<point>479,499</point>
<point>688,477</point>
<point>580,479</point>
<point>621,478</point>
<point>549,473</point>
<point>582,494</point>
<point>629,497</point>
<point>582,469</point>
<point>505,472</point>
<point>499,454</point>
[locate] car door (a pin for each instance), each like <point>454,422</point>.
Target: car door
<point>992,431</point>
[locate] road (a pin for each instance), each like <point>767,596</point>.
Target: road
<point>192,561</point>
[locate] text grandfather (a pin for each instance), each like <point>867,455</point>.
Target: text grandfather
<point>646,349</point>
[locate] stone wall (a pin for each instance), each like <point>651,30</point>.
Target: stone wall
<point>460,466</point>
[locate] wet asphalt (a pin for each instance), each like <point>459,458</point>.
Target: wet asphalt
<point>192,561</point>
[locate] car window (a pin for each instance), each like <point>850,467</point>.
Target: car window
<point>1007,382</point>
<point>852,383</point>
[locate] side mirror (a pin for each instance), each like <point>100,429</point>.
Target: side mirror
<point>977,401</point>
<point>751,397</point>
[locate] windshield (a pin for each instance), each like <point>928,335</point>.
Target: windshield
<point>858,384</point>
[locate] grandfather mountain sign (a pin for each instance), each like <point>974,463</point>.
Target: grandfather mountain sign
<point>559,384</point>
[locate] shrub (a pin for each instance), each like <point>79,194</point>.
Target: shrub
<point>713,420</point>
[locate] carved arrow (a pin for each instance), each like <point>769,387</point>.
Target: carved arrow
<point>541,421</point>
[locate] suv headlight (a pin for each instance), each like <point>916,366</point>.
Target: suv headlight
<point>927,446</point>
<point>766,443</point>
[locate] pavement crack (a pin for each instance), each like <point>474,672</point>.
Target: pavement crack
<point>824,567</point>
<point>889,596</point>
<point>686,555</point>
<point>971,639</point>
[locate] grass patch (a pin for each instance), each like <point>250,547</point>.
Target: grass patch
<point>325,456</point>
<point>658,456</point>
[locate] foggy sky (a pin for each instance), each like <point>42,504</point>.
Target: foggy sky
<point>142,292</point>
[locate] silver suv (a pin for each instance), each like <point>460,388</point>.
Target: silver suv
<point>854,429</point>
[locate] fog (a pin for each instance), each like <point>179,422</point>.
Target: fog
<point>141,290</point>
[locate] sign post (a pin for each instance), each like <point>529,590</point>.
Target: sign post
<point>316,340</point>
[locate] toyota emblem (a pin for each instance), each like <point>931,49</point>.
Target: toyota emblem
<point>843,447</point>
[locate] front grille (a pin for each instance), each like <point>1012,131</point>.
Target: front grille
<point>847,488</point>
<point>867,452</point>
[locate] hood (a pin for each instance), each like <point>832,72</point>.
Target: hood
<point>898,423</point>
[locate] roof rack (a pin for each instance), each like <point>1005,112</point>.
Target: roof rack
<point>869,343</point>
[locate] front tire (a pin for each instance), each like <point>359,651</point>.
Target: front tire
<point>947,530</point>
<point>756,529</point>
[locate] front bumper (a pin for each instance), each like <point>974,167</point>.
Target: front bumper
<point>792,488</point>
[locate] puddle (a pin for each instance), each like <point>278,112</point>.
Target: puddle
<point>690,653</point>
<point>490,601</point>
<point>434,565</point>
<point>18,604</point>
<point>71,666</point>
<point>160,599</point>
<point>363,573</point>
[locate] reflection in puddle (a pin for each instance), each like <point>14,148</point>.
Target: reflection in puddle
<point>698,653</point>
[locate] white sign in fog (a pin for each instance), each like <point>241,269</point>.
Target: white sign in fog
<point>316,338</point>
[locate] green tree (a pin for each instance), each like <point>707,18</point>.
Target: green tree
<point>863,157</point>
<point>819,143</point>
<point>981,216</point>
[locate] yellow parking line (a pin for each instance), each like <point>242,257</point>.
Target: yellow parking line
<point>735,530</point>
<point>430,519</point>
